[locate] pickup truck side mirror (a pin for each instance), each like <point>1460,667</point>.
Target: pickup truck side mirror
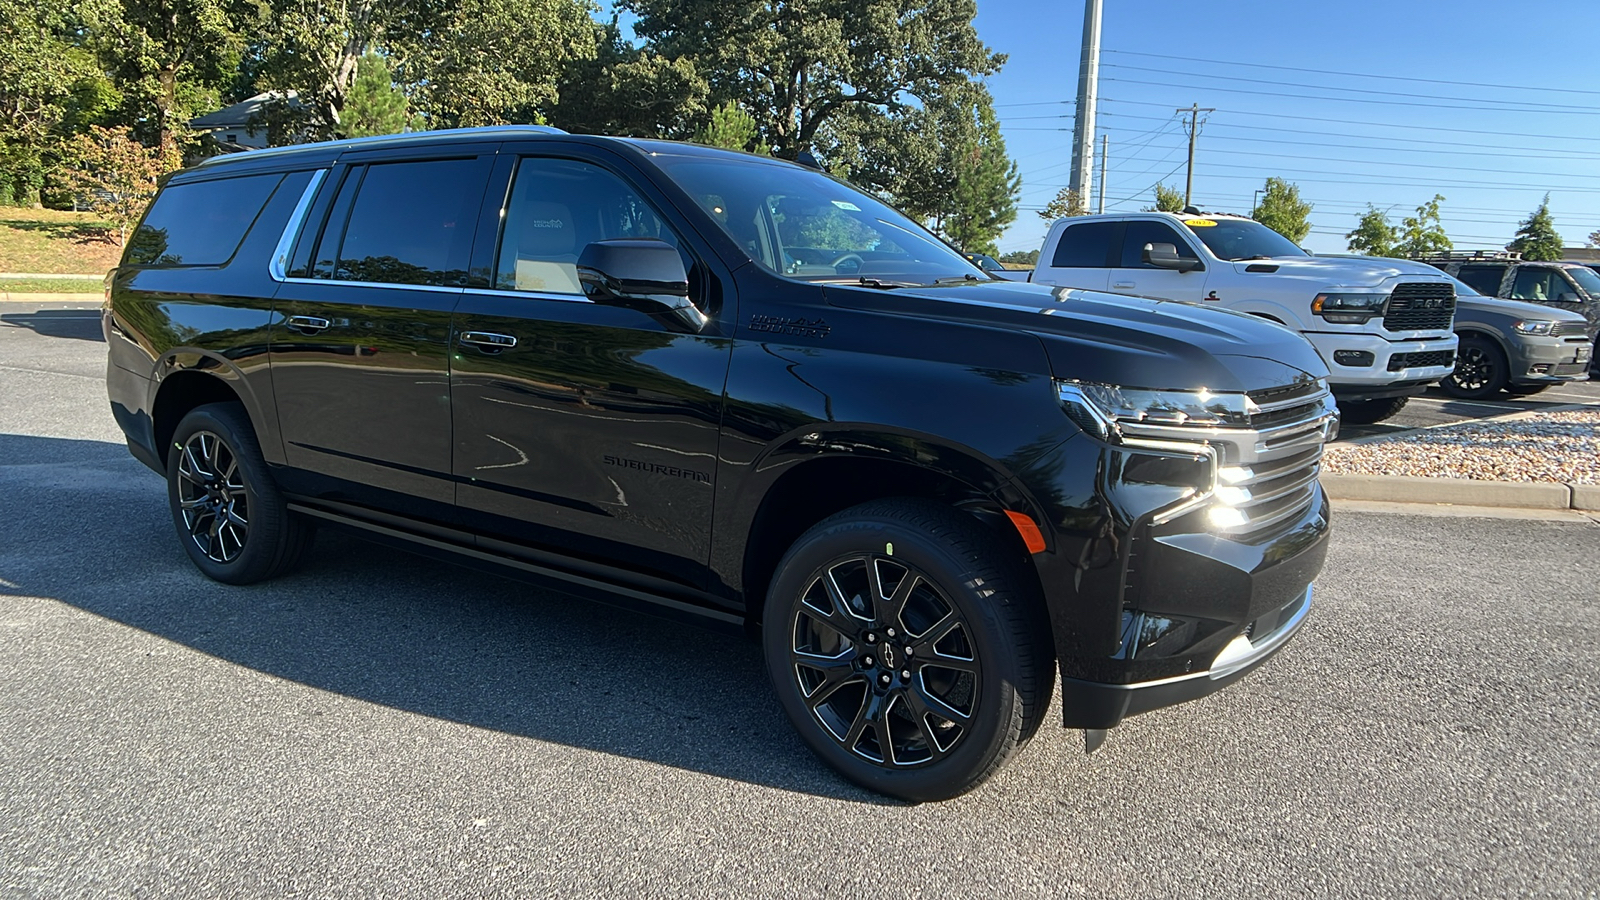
<point>643,274</point>
<point>1165,256</point>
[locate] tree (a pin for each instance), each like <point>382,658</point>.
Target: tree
<point>48,83</point>
<point>1167,200</point>
<point>1373,234</point>
<point>732,128</point>
<point>986,186</point>
<point>375,106</point>
<point>116,175</point>
<point>626,90</point>
<point>1537,238</point>
<point>1022,258</point>
<point>1282,210</point>
<point>1423,234</point>
<point>799,64</point>
<point>1593,240</point>
<point>1066,203</point>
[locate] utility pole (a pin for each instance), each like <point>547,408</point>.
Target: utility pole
<point>1088,95</point>
<point>1194,112</point>
<point>1105,148</point>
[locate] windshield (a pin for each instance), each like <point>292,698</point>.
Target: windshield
<point>1586,279</point>
<point>804,224</point>
<point>1235,239</point>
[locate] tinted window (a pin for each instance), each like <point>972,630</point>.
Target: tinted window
<point>1141,233</point>
<point>1586,279</point>
<point>1085,246</point>
<point>1538,284</point>
<point>199,223</point>
<point>411,223</point>
<point>557,208</point>
<point>1484,279</point>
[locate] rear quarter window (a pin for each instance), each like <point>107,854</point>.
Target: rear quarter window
<point>199,223</point>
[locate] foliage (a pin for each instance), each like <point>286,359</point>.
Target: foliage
<point>1537,238</point>
<point>115,175</point>
<point>799,64</point>
<point>984,201</point>
<point>731,128</point>
<point>46,81</point>
<point>1373,235</point>
<point>1020,257</point>
<point>1066,203</point>
<point>625,90</point>
<point>1167,199</point>
<point>375,106</point>
<point>1282,210</point>
<point>1423,234</point>
<point>1593,240</point>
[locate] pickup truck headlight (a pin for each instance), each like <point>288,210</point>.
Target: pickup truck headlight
<point>1349,308</point>
<point>1531,327</point>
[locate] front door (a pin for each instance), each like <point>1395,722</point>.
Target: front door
<point>1132,275</point>
<point>584,433</point>
<point>359,348</point>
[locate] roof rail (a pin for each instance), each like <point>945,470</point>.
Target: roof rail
<point>488,131</point>
<point>1453,255</point>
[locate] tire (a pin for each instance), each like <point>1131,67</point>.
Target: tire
<point>1481,370</point>
<point>1368,412</point>
<point>230,516</point>
<point>1526,390</point>
<point>929,663</point>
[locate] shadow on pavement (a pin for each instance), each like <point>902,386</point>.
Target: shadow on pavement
<point>79,324</point>
<point>391,628</point>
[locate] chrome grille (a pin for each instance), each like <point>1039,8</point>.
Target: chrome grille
<point>1562,328</point>
<point>1421,306</point>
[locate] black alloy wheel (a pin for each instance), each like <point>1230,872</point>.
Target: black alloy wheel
<point>1481,370</point>
<point>230,517</point>
<point>904,649</point>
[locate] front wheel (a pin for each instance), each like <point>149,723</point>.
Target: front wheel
<point>229,514</point>
<point>906,650</point>
<point>1480,372</point>
<point>1368,412</point>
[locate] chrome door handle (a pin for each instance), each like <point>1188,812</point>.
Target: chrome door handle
<point>308,324</point>
<point>488,341</point>
<point>1122,285</point>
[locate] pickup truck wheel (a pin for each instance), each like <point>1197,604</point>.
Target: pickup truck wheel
<point>230,516</point>
<point>1367,412</point>
<point>905,650</point>
<point>1480,371</point>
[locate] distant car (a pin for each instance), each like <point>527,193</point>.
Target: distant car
<point>992,266</point>
<point>1562,285</point>
<point>1512,346</point>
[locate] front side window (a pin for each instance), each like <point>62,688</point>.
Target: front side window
<point>200,223</point>
<point>804,224</point>
<point>1141,234</point>
<point>411,223</point>
<point>559,206</point>
<point>1484,279</point>
<point>1586,279</point>
<point>1538,284</point>
<point>1083,246</point>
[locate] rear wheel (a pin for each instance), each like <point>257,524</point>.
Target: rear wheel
<point>906,650</point>
<point>1480,372</point>
<point>1367,412</point>
<point>230,516</point>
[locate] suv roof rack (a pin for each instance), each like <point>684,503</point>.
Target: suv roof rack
<point>1453,255</point>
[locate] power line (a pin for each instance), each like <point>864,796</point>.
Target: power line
<point>1362,100</point>
<point>1507,87</point>
<point>1472,131</point>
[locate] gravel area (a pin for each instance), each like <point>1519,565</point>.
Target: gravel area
<point>1561,447</point>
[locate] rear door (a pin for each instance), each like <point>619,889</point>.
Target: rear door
<point>359,348</point>
<point>585,434</point>
<point>1132,275</point>
<point>1080,258</point>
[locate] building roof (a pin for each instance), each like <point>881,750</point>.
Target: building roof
<point>240,114</point>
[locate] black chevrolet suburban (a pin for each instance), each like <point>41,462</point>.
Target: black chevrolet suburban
<point>729,387</point>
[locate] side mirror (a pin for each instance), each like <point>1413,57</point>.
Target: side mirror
<point>1165,256</point>
<point>640,273</point>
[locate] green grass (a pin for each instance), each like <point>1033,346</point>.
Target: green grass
<point>50,286</point>
<point>50,242</point>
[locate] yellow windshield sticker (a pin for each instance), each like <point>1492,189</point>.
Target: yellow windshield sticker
<point>1199,223</point>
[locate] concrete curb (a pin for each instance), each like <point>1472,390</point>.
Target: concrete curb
<point>50,298</point>
<point>1462,492</point>
<point>48,276</point>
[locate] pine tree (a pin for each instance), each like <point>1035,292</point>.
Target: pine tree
<point>731,128</point>
<point>375,106</point>
<point>1537,238</point>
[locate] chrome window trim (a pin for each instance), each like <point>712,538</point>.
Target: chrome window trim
<point>387,285</point>
<point>278,266</point>
<point>534,295</point>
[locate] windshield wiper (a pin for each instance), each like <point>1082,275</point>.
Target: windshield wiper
<point>883,285</point>
<point>956,279</point>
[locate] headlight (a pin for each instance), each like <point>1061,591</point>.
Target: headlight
<point>1099,408</point>
<point>1533,327</point>
<point>1349,308</point>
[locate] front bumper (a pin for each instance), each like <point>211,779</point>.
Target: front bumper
<point>1550,360</point>
<point>1392,361</point>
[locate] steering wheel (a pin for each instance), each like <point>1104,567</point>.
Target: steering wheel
<point>847,258</point>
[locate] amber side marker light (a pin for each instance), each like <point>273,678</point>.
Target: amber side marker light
<point>1031,538</point>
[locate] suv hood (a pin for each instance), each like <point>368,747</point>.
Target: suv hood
<point>1337,271</point>
<point>1477,303</point>
<point>1130,341</point>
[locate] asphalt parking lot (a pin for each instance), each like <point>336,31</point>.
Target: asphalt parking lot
<point>378,724</point>
<point>1438,408</point>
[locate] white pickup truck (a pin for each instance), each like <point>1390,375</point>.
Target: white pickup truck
<point>1383,326</point>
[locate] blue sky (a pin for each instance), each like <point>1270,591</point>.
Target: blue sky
<point>1391,141</point>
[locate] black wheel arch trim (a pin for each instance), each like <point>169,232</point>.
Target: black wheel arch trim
<point>190,362</point>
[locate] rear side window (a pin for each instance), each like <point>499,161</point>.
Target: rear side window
<point>1141,233</point>
<point>1083,246</point>
<point>199,223</point>
<point>411,223</point>
<point>1483,279</point>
